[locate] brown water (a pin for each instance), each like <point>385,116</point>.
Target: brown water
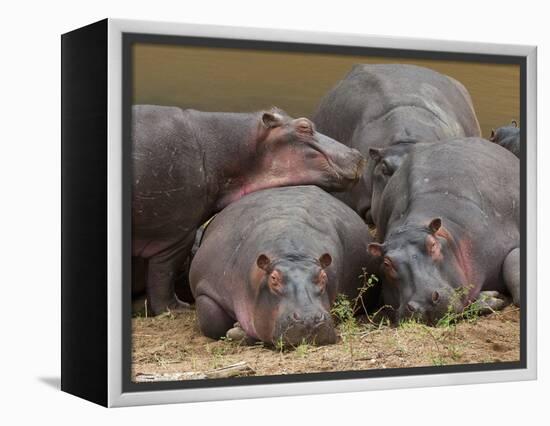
<point>218,79</point>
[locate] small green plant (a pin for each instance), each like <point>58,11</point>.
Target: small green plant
<point>369,281</point>
<point>342,309</point>
<point>280,344</point>
<point>302,349</point>
<point>472,312</point>
<point>345,310</point>
<point>344,314</point>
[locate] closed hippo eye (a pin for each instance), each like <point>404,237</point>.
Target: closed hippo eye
<point>390,270</point>
<point>434,248</point>
<point>304,126</point>
<point>322,281</point>
<point>275,283</point>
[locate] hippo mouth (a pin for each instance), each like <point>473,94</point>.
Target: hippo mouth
<point>344,174</point>
<point>346,177</point>
<point>298,333</point>
<point>355,174</point>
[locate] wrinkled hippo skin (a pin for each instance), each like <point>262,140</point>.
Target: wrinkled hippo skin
<point>382,105</point>
<point>275,260</point>
<point>449,219</point>
<point>188,164</point>
<point>508,137</point>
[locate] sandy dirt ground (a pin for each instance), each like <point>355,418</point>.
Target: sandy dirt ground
<point>171,344</point>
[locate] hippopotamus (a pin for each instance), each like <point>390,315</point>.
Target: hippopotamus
<point>274,262</point>
<point>449,222</point>
<point>507,137</point>
<point>386,104</point>
<point>187,165</point>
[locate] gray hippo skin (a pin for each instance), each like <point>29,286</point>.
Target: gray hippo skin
<point>376,106</point>
<point>275,260</point>
<point>449,219</point>
<point>187,165</point>
<point>508,137</point>
<point>386,161</point>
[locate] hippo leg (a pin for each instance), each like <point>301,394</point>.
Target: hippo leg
<point>510,274</point>
<point>490,301</point>
<point>213,320</point>
<point>161,277</point>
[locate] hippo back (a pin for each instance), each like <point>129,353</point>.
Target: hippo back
<point>382,105</point>
<point>480,191</point>
<point>397,99</point>
<point>296,221</point>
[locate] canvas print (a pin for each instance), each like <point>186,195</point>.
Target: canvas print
<point>305,212</point>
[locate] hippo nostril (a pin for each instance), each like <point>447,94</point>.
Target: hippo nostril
<point>319,317</point>
<point>296,316</point>
<point>411,307</point>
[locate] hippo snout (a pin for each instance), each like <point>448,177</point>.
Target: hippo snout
<point>296,329</point>
<point>413,310</point>
<point>349,165</point>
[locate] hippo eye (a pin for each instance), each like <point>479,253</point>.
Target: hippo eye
<point>388,263</point>
<point>322,281</point>
<point>433,247</point>
<point>305,127</point>
<point>275,283</point>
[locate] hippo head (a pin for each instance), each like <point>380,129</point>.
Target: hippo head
<point>292,152</point>
<point>422,274</point>
<point>512,130</point>
<point>293,303</point>
<point>385,161</point>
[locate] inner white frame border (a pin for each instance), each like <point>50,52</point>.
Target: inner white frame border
<point>116,397</point>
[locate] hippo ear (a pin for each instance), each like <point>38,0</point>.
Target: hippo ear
<point>514,123</point>
<point>375,154</point>
<point>325,260</point>
<point>375,249</point>
<point>271,120</point>
<point>434,225</point>
<point>493,135</point>
<point>263,262</point>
